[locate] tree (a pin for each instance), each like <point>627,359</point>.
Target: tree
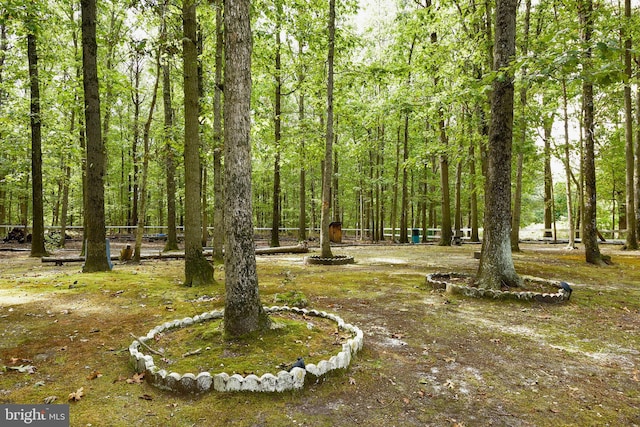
<point>327,173</point>
<point>218,145</point>
<point>169,138</point>
<point>197,269</point>
<point>243,309</point>
<point>631,241</point>
<point>94,218</point>
<point>589,223</point>
<point>37,242</point>
<point>145,165</point>
<point>496,262</point>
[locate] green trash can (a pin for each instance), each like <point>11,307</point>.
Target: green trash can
<point>415,235</point>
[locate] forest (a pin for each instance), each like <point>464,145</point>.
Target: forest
<point>413,82</point>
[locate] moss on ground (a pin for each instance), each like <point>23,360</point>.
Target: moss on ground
<point>429,358</point>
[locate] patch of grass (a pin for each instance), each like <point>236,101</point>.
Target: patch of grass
<point>270,351</point>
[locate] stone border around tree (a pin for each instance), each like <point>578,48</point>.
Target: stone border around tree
<point>335,260</point>
<point>440,281</point>
<point>223,382</point>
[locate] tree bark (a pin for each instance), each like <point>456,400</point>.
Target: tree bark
<point>94,217</point>
<point>567,165</point>
<point>169,152</point>
<point>302,214</point>
<point>631,241</point>
<point>277,125</point>
<point>548,179</point>
<point>496,263</point>
<point>145,166</point>
<point>198,270</point>
<point>589,226</point>
<point>243,309</point>
<point>218,143</point>
<point>37,242</point>
<point>327,173</point>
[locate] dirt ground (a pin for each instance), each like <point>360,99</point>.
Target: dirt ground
<point>429,358</point>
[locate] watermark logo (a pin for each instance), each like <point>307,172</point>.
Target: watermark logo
<point>34,415</point>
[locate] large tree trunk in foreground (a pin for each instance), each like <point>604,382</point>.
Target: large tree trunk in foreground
<point>197,269</point>
<point>37,244</point>
<point>94,220</point>
<point>496,263</point>
<point>243,310</point>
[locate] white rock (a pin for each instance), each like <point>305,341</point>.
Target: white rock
<point>312,368</point>
<point>298,375</point>
<point>268,382</point>
<point>324,366</point>
<point>234,383</point>
<point>203,382</point>
<point>342,360</point>
<point>172,380</point>
<point>187,321</point>
<point>188,383</point>
<point>148,361</point>
<point>251,383</point>
<point>285,381</point>
<point>220,381</point>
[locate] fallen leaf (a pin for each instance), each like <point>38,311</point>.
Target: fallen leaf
<point>406,401</point>
<point>146,397</point>
<point>420,393</point>
<point>635,375</point>
<point>76,395</point>
<point>136,378</point>
<point>495,340</point>
<point>24,369</point>
<point>50,399</point>
<point>119,379</point>
<point>449,359</point>
<point>93,375</point>
<point>450,384</point>
<point>352,381</point>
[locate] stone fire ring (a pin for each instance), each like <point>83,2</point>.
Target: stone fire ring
<point>335,260</point>
<point>441,281</point>
<point>223,382</point>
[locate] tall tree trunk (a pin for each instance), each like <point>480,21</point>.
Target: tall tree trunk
<point>198,271</point>
<point>3,53</point>
<point>473,194</point>
<point>37,242</point>
<point>302,214</point>
<point>136,70</point>
<point>631,241</point>
<point>404,201</point>
<point>327,173</point>
<point>445,209</point>
<point>218,143</point>
<point>243,309</point>
<point>548,179</point>
<point>496,263</point>
<point>457,222</point>
<point>517,199</point>
<point>567,166</point>
<point>637,152</point>
<point>145,166</point>
<point>94,218</point>
<point>394,202</point>
<point>169,151</point>
<point>589,227</point>
<point>277,123</point>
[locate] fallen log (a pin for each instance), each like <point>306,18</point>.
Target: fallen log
<point>300,248</point>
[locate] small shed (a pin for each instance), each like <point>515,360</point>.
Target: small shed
<point>335,232</point>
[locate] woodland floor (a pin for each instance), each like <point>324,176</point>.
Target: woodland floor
<point>429,358</point>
